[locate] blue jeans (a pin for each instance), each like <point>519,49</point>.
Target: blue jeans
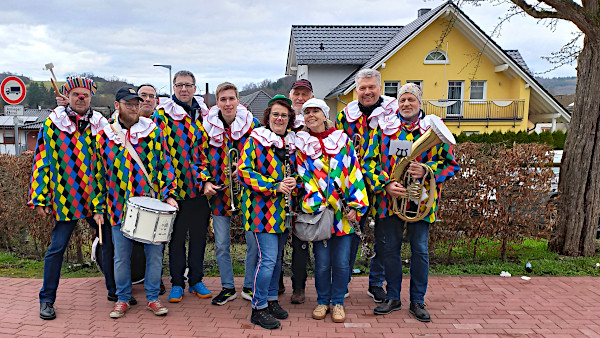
<point>268,267</point>
<point>251,259</point>
<point>221,227</point>
<point>376,270</point>
<point>154,254</point>
<point>391,233</point>
<point>61,234</point>
<point>331,269</point>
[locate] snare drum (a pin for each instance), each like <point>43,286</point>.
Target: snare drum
<point>148,220</point>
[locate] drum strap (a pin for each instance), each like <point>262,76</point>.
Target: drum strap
<point>116,127</point>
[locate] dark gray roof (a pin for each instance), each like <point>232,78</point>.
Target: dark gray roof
<point>256,102</point>
<point>516,56</point>
<point>34,122</point>
<point>350,45</point>
<point>399,37</point>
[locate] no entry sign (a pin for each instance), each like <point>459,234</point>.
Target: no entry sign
<point>12,90</point>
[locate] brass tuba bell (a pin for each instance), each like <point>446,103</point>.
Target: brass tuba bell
<point>436,134</point>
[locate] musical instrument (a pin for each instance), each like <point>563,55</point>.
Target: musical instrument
<point>356,138</point>
<point>365,250</point>
<point>148,220</point>
<point>235,188</point>
<point>138,260</point>
<point>438,133</point>
<point>288,199</point>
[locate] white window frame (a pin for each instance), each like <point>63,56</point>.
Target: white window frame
<point>483,99</point>
<point>398,84</point>
<point>437,62</point>
<point>417,82</point>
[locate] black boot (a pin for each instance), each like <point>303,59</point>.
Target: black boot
<point>264,319</point>
<point>419,312</point>
<point>276,310</point>
<point>47,311</point>
<point>388,306</point>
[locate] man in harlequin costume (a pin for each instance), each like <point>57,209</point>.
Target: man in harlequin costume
<point>62,182</point>
<point>228,125</point>
<point>180,119</point>
<point>408,125</point>
<point>120,176</point>
<point>357,119</point>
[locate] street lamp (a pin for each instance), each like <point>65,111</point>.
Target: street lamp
<point>170,85</point>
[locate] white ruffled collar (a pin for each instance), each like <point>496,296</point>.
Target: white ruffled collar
<point>268,138</point>
<point>310,145</point>
<point>142,128</point>
<point>238,128</point>
<point>62,121</point>
<point>388,106</point>
<point>177,112</point>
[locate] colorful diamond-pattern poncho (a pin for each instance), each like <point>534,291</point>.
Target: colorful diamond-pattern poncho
<point>378,165</point>
<point>335,161</point>
<point>260,171</point>
<point>61,176</point>
<point>120,177</point>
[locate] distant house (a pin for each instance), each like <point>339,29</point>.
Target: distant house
<point>467,79</point>
<point>256,102</point>
<point>29,126</point>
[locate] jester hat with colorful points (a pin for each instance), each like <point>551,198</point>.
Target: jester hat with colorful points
<point>78,82</point>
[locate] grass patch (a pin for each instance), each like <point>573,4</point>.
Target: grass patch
<point>461,262</point>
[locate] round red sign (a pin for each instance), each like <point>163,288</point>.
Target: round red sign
<point>12,90</point>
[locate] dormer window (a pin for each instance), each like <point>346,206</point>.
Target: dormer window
<point>436,57</point>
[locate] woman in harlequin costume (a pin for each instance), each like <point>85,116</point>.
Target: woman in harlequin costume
<point>62,182</point>
<point>263,172</point>
<point>228,126</point>
<point>408,125</point>
<point>327,155</point>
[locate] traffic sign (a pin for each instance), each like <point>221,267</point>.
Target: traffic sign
<point>12,90</point>
<point>16,110</point>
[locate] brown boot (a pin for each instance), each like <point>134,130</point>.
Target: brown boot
<point>297,297</point>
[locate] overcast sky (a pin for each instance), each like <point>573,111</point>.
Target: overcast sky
<point>241,41</point>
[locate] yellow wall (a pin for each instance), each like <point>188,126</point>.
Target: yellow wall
<point>407,64</point>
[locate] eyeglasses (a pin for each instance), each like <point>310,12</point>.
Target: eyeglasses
<point>184,85</point>
<point>277,116</point>
<point>130,105</point>
<point>147,96</point>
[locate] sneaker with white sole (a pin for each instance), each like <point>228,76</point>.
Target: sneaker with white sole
<point>157,308</point>
<point>225,296</point>
<point>247,294</point>
<point>119,310</point>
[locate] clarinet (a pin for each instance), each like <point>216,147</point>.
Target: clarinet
<point>365,250</point>
<point>288,200</point>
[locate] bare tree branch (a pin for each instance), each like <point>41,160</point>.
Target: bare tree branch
<point>537,12</point>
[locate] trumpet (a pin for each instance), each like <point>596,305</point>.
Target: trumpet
<point>234,186</point>
<point>288,200</point>
<point>365,250</point>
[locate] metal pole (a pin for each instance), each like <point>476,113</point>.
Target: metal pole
<point>17,142</point>
<point>170,83</point>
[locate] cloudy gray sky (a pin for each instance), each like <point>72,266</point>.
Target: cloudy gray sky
<point>241,41</point>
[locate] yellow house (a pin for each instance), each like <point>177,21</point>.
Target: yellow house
<point>467,79</point>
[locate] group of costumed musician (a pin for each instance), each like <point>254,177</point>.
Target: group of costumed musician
<point>131,161</point>
<point>62,182</point>
<point>409,124</point>
<point>228,125</point>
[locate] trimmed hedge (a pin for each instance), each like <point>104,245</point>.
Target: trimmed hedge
<point>556,139</point>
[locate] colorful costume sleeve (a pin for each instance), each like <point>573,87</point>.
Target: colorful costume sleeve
<point>165,178</point>
<point>200,160</point>
<point>249,176</point>
<point>376,177</point>
<point>339,120</point>
<point>442,162</point>
<point>313,198</point>
<point>355,191</point>
<point>39,193</point>
<point>99,199</point>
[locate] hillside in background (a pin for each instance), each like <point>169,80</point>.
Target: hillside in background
<point>559,85</point>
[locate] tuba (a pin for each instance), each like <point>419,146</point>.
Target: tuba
<point>438,133</point>
<point>234,186</point>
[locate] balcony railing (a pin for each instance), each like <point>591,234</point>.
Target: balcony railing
<point>476,110</point>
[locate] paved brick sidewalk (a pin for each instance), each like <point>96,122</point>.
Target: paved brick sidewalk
<point>459,306</point>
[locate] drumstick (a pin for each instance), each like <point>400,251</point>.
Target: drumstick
<point>100,233</point>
